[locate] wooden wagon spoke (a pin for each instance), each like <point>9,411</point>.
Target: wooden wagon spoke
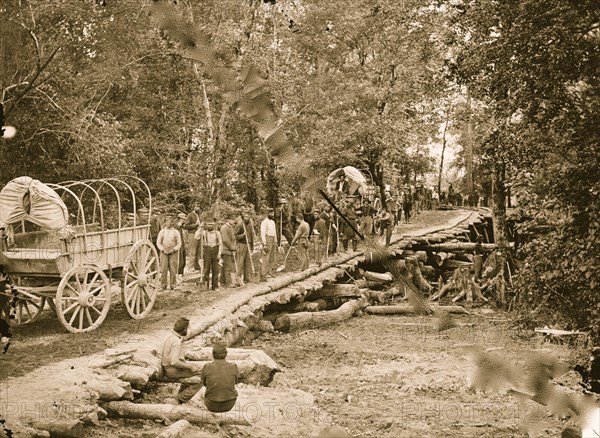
<point>89,317</point>
<point>78,281</point>
<point>71,307</point>
<point>73,289</point>
<point>81,320</point>
<point>133,283</point>
<point>84,286</point>
<point>94,278</point>
<point>142,297</point>
<point>130,295</point>
<point>74,315</point>
<point>150,274</point>
<point>96,310</point>
<point>98,289</point>
<point>69,298</point>
<point>149,264</point>
<point>137,301</point>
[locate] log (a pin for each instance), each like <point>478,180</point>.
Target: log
<point>385,277</point>
<point>255,366</point>
<point>309,320</point>
<point>413,269</point>
<point>175,430</point>
<point>61,427</point>
<point>450,247</point>
<point>197,416</point>
<point>364,284</point>
<point>441,256</point>
<point>263,326</point>
<point>381,296</point>
<point>456,264</point>
<point>114,361</point>
<point>421,256</point>
<point>335,290</point>
<point>110,390</point>
<point>307,306</point>
<point>137,376</point>
<point>408,310</point>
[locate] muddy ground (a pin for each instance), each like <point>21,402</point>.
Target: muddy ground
<point>376,376</point>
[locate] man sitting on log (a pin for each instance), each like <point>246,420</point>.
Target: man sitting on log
<point>220,377</point>
<point>173,361</point>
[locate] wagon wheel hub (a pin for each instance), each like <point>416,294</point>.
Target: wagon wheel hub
<point>86,299</point>
<point>143,280</point>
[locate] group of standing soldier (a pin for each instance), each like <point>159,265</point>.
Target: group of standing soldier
<point>223,252</point>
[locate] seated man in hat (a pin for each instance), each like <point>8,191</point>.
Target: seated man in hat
<point>220,377</point>
<point>174,365</point>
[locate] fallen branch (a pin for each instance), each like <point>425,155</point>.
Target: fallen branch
<point>408,310</point>
<point>159,412</point>
<point>175,430</point>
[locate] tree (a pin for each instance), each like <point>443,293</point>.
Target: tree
<point>534,67</point>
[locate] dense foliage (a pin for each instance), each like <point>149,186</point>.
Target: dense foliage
<point>535,67</point>
<point>107,88</point>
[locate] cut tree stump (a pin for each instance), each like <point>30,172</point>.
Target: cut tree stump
<point>309,320</point>
<point>407,310</point>
<point>175,430</point>
<point>160,412</point>
<point>461,280</point>
<point>441,256</point>
<point>409,270</point>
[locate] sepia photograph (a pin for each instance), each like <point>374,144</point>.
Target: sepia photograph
<point>299,218</point>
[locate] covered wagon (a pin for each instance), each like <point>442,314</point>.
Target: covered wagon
<point>72,245</point>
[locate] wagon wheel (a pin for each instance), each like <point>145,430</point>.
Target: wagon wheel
<point>140,279</point>
<point>26,309</point>
<point>83,298</point>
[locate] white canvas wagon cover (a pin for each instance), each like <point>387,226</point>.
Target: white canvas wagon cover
<point>356,179</point>
<point>25,198</point>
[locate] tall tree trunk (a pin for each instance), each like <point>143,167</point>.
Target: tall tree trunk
<point>500,236</point>
<point>444,141</point>
<point>469,145</point>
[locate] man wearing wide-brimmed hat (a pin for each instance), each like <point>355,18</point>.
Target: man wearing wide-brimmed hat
<point>182,251</point>
<point>228,272</point>
<point>268,237</point>
<point>283,221</point>
<point>169,242</point>
<point>212,247</point>
<point>173,362</point>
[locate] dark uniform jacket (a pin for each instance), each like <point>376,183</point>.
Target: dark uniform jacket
<point>243,231</point>
<point>220,377</point>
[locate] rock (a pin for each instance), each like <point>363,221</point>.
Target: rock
<point>334,432</point>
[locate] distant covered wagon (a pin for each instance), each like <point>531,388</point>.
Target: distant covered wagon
<point>75,262</point>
